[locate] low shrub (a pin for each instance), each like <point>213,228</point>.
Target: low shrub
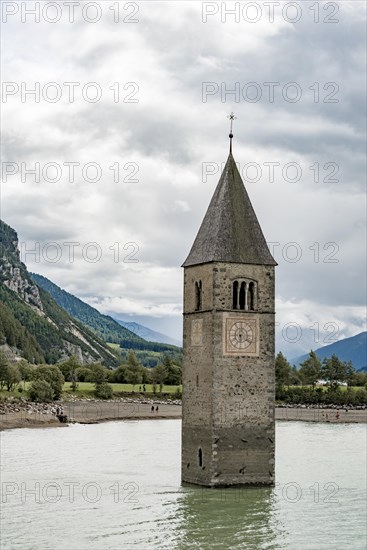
<point>40,391</point>
<point>314,396</point>
<point>103,391</point>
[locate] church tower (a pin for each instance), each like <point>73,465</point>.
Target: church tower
<point>228,344</point>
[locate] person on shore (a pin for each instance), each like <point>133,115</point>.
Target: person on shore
<point>152,409</point>
<point>156,409</point>
<point>337,415</point>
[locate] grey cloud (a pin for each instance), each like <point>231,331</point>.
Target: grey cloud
<point>171,131</point>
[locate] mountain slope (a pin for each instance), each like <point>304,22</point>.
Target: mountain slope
<point>15,335</point>
<point>32,323</point>
<point>102,325</point>
<point>147,333</point>
<point>349,349</point>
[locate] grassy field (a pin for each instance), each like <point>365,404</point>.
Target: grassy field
<point>86,389</point>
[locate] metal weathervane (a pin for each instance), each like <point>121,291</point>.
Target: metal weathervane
<point>231,118</point>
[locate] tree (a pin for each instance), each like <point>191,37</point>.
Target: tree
<point>40,391</point>
<point>25,370</point>
<point>84,374</point>
<point>119,375</point>
<point>13,377</point>
<point>9,375</point>
<point>133,376</point>
<point>359,378</point>
<point>69,367</point>
<point>159,376</point>
<point>4,364</point>
<point>294,377</point>
<point>282,371</point>
<point>52,375</point>
<point>310,370</point>
<point>173,372</point>
<point>132,361</point>
<point>349,373</point>
<point>333,370</point>
<point>133,371</point>
<point>99,373</point>
<point>146,375</point>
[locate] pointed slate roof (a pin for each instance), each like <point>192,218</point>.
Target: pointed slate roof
<point>230,231</point>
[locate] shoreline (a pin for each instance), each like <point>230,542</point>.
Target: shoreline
<point>96,412</point>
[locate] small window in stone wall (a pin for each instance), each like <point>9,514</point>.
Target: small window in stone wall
<point>198,295</point>
<point>244,295</point>
<point>200,457</point>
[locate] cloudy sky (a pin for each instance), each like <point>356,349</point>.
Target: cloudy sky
<point>128,130</point>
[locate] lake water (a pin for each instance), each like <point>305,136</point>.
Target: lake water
<point>117,486</point>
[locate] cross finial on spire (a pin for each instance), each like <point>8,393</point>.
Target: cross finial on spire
<point>231,118</point>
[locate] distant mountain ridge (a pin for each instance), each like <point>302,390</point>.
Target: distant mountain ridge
<point>348,349</point>
<point>32,324</point>
<point>103,325</point>
<point>148,333</point>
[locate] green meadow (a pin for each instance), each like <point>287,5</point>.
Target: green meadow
<point>86,389</point>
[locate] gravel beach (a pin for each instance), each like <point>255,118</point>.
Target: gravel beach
<point>31,415</point>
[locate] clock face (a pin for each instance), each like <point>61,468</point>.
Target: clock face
<point>241,336</point>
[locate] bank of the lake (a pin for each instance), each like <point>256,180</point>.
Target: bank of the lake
<point>30,415</point>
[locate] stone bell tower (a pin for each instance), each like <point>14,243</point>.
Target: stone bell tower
<point>228,344</point>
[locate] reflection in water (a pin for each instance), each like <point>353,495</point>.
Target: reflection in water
<point>229,518</point>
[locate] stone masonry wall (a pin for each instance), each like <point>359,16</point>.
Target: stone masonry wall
<point>228,401</point>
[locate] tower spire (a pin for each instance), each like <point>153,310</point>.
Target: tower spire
<point>231,118</point>
<point>230,231</point>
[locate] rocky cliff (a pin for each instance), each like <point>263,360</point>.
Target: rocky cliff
<point>31,322</point>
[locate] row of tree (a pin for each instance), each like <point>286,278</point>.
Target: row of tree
<point>332,370</point>
<point>46,381</point>
<point>130,372</point>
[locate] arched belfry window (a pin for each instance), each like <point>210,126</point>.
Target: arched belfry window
<point>244,295</point>
<point>235,294</point>
<point>251,296</point>
<point>198,295</point>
